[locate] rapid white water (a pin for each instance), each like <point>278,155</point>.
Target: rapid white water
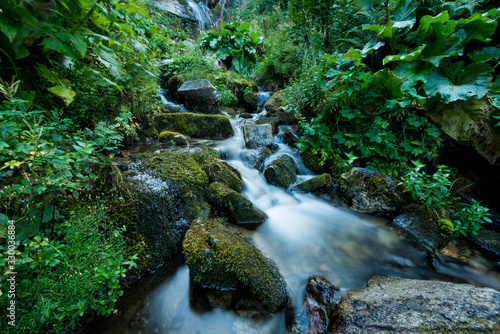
<point>304,235</point>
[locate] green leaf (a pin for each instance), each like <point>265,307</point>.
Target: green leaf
<point>404,15</point>
<point>386,78</point>
<point>8,30</point>
<point>56,44</point>
<point>443,47</point>
<point>413,73</point>
<point>485,54</point>
<point>425,29</point>
<point>473,81</point>
<point>470,120</point>
<point>405,56</point>
<point>478,26</point>
<point>371,46</point>
<point>64,93</point>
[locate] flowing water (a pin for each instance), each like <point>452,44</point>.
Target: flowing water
<point>304,235</point>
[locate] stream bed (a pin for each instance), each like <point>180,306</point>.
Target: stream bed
<point>304,235</point>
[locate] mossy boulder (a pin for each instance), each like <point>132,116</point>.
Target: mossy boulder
<point>251,101</point>
<point>370,191</point>
<point>235,206</point>
<point>290,139</point>
<point>239,87</point>
<point>281,172</point>
<point>273,105</point>
<point>218,258</point>
<point>317,183</point>
<point>256,157</point>
<point>221,171</point>
<point>423,230</point>
<point>312,161</point>
<point>195,125</point>
<point>282,118</point>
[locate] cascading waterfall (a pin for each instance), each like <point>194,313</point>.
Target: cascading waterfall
<point>188,9</point>
<point>202,13</point>
<point>304,235</point>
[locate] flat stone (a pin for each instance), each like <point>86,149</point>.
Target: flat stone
<point>400,305</point>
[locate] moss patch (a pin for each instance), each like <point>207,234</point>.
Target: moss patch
<point>314,184</point>
<point>235,206</point>
<point>167,135</point>
<point>195,125</point>
<point>221,171</point>
<point>219,258</point>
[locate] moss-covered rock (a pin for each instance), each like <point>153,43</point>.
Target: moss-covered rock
<point>239,87</point>
<point>487,242</point>
<point>273,105</point>
<point>167,136</point>
<point>313,162</point>
<point>221,171</point>
<point>281,172</point>
<point>195,125</point>
<point>425,231</point>
<point>317,183</point>
<point>282,118</point>
<point>251,101</point>
<point>235,206</point>
<point>370,191</point>
<point>290,139</point>
<point>220,259</point>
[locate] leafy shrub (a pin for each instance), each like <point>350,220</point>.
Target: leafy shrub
<point>435,192</point>
<point>235,45</point>
<point>62,277</point>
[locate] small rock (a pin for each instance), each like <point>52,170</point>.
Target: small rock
<point>257,157</point>
<point>317,183</point>
<point>258,135</point>
<point>180,140</point>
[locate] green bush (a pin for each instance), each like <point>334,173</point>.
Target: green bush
<point>435,192</point>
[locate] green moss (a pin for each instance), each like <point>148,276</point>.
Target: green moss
<point>195,125</point>
<point>235,206</point>
<point>219,258</point>
<point>167,135</point>
<point>315,184</point>
<point>446,226</point>
<point>312,160</point>
<point>150,133</point>
<point>221,171</point>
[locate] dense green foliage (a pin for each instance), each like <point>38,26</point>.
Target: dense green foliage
<point>436,193</point>
<point>234,44</point>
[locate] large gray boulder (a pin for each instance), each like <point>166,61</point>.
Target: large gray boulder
<point>399,305</point>
<point>370,191</point>
<point>200,96</point>
<point>258,135</point>
<point>281,172</point>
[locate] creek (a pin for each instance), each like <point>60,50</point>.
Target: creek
<point>304,235</point>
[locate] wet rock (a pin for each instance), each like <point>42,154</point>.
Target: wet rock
<point>290,139</point>
<point>246,115</point>
<point>180,140</point>
<point>221,171</point>
<point>162,195</point>
<point>200,96</point>
<point>317,309</point>
<point>313,162</point>
<point>251,101</point>
<point>273,105</point>
<point>166,136</point>
<point>195,125</point>
<point>235,206</point>
<point>281,172</point>
<point>317,183</point>
<point>256,136</point>
<point>399,305</point>
<point>257,157</point>
<point>371,191</point>
<point>282,118</point>
<point>424,231</point>
<point>219,258</point>
<point>488,242</point>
